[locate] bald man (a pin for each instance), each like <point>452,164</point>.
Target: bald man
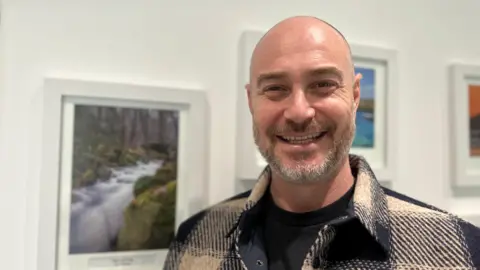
<point>315,206</point>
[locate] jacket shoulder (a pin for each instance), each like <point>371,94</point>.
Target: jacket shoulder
<point>204,234</point>
<point>426,227</point>
<point>220,212</point>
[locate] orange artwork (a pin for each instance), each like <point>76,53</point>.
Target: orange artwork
<point>474,112</point>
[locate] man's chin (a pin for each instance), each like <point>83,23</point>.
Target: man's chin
<point>299,168</point>
<point>301,160</point>
<point>299,165</point>
<point>299,174</point>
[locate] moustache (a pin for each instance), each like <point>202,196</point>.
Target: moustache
<point>290,127</point>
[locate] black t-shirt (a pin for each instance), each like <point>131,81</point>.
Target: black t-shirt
<point>288,236</point>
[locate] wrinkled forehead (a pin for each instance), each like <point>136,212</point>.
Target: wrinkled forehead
<point>312,48</point>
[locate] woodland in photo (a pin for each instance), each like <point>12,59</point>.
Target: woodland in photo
<point>123,180</point>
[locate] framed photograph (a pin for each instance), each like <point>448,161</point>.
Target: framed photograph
<point>123,166</point>
<point>249,161</point>
<point>376,115</point>
<point>465,94</point>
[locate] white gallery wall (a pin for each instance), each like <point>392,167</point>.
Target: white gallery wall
<point>195,43</point>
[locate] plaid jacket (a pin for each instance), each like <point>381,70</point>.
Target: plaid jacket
<point>412,234</point>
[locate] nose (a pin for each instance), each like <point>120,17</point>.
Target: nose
<point>299,110</point>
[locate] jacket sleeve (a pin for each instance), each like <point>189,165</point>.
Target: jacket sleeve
<point>180,242</point>
<point>172,261</point>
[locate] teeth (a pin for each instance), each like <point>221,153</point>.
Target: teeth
<point>301,139</point>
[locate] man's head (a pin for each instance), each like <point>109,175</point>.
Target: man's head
<point>303,96</point>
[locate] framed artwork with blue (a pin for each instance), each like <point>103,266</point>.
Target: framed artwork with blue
<point>365,118</point>
<point>375,119</point>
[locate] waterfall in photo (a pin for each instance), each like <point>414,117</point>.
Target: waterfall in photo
<point>97,210</point>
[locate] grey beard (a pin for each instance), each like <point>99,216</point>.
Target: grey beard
<point>312,173</point>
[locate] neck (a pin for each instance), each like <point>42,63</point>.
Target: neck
<point>302,198</point>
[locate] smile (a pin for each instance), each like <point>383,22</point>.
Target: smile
<point>302,139</point>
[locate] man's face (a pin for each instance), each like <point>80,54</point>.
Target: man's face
<point>303,98</point>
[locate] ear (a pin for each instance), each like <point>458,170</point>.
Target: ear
<point>356,90</point>
<point>248,88</point>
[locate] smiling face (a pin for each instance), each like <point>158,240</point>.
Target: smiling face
<point>303,98</point>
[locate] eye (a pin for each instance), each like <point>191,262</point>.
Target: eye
<point>273,88</point>
<point>275,92</point>
<point>325,84</point>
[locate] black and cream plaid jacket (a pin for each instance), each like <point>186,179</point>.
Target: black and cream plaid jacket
<point>410,234</point>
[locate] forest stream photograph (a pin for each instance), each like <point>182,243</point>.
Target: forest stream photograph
<point>124,179</point>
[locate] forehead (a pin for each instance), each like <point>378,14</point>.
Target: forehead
<point>300,52</point>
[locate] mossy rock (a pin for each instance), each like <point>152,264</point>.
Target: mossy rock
<point>127,158</point>
<point>149,220</point>
<point>103,172</point>
<point>113,155</point>
<point>157,155</point>
<point>166,193</point>
<point>159,151</point>
<point>148,182</point>
<point>138,223</point>
<point>164,175</point>
<point>164,225</point>
<point>88,178</point>
<point>169,169</point>
<point>101,150</point>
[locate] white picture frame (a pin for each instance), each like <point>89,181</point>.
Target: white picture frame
<point>61,95</point>
<point>382,156</point>
<point>465,166</point>
<point>249,162</point>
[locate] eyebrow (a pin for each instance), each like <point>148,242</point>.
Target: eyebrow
<point>331,70</point>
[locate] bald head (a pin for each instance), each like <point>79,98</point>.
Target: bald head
<point>300,33</point>
<point>302,85</point>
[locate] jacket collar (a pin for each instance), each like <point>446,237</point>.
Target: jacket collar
<point>369,203</point>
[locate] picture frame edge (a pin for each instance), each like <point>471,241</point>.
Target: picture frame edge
<point>191,99</point>
<point>458,71</point>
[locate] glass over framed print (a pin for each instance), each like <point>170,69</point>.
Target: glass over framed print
<point>465,120</point>
<point>124,164</point>
<point>376,114</point>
